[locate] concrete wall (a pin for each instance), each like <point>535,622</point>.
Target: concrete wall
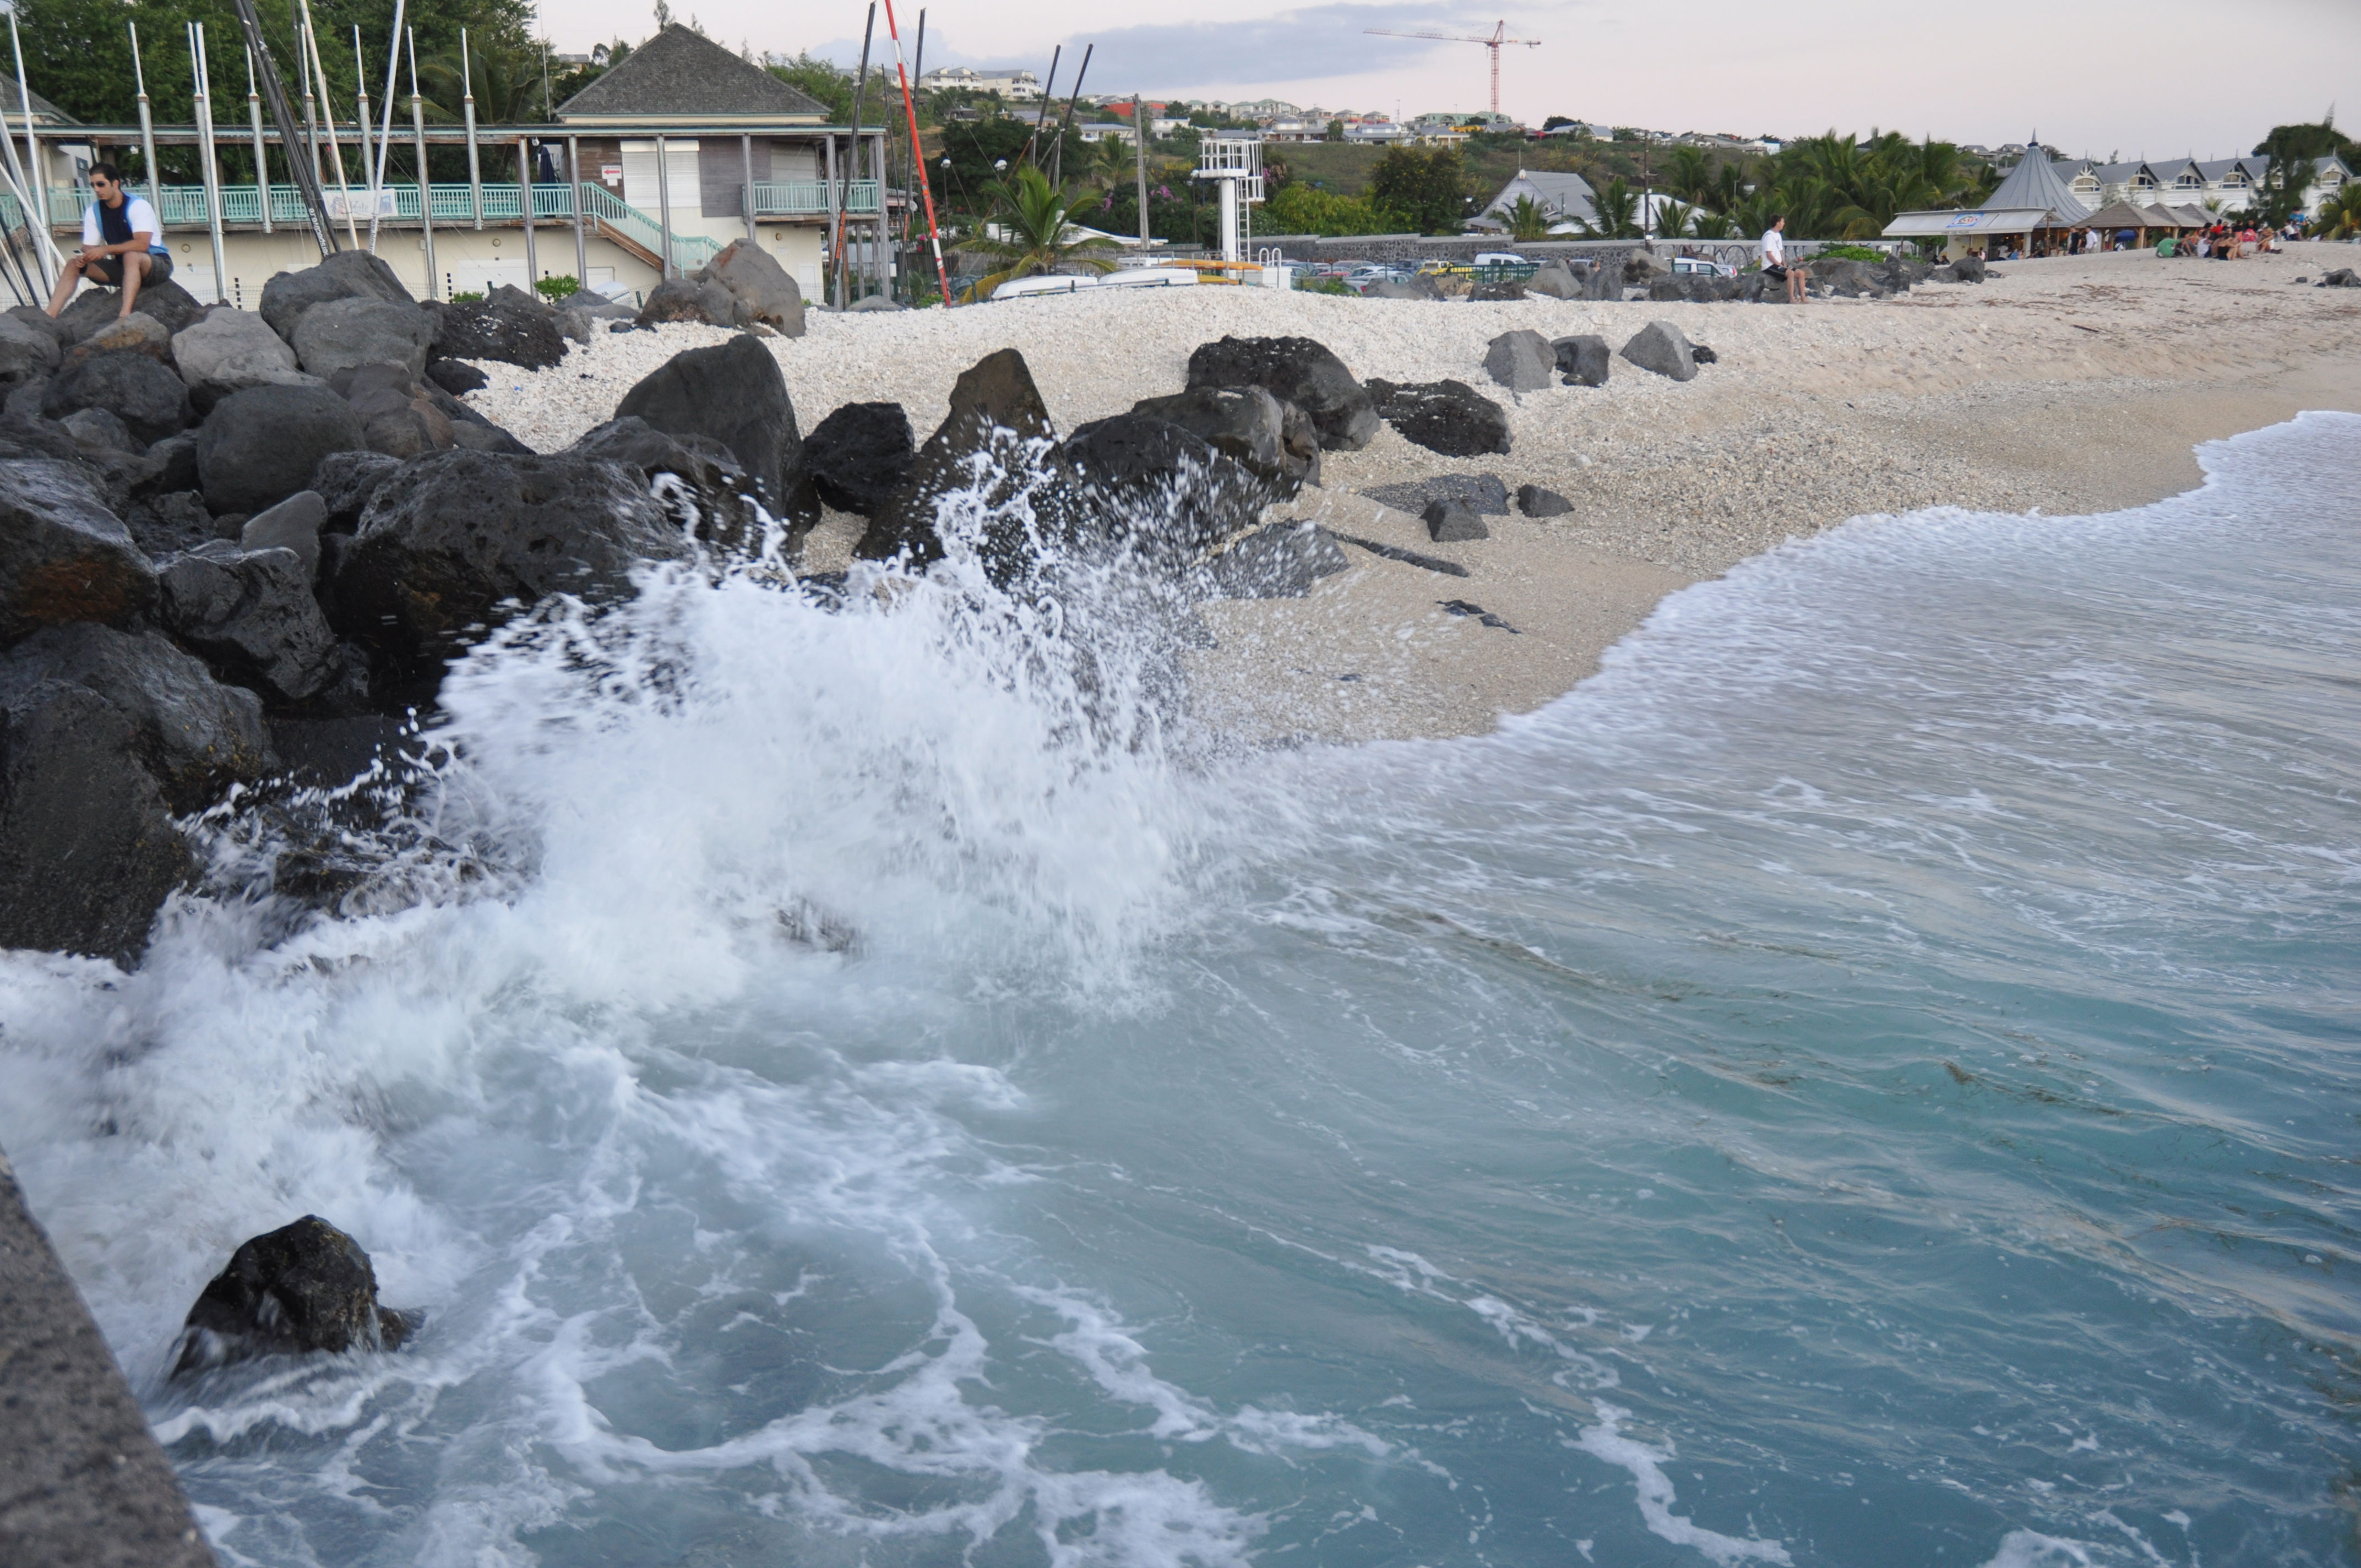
<point>82,1483</point>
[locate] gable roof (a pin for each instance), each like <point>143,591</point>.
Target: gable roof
<point>1567,195</point>
<point>683,75</point>
<point>43,109</point>
<point>2035,183</point>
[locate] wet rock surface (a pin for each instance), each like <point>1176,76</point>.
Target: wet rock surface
<point>859,455</point>
<point>301,1289</point>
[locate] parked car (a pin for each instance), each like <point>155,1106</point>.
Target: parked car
<point>1703,264</point>
<point>1501,259</point>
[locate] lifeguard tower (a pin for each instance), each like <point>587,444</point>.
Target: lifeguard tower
<point>1236,163</point>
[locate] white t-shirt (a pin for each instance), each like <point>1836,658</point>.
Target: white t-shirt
<point>142,217</point>
<point>1774,248</point>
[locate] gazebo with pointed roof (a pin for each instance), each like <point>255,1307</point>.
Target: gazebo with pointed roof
<point>681,74</point>
<point>2035,183</point>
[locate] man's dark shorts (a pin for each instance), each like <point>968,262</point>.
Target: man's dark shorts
<point>108,269</point>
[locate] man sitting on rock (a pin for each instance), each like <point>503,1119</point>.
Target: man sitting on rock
<point>1775,260</point>
<point>122,243</point>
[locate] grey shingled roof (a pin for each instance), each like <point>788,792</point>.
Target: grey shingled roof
<point>686,75</point>
<point>2035,183</point>
<point>12,105</point>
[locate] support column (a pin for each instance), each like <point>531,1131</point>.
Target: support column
<point>746,195</point>
<point>573,204</point>
<point>663,209</point>
<point>832,290</point>
<point>532,251</point>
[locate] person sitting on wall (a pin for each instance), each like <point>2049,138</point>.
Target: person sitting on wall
<point>1775,261</point>
<point>122,243</point>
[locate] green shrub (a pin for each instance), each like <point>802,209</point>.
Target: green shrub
<point>558,288</point>
<point>1324,285</point>
<point>466,296</point>
<point>1852,253</point>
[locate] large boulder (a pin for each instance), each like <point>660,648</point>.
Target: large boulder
<point>1602,280</point>
<point>733,392</point>
<point>96,427</point>
<point>1584,359</point>
<point>348,274</point>
<point>1279,562</point>
<point>137,333</point>
<point>228,350</point>
<point>1555,281</point>
<point>251,614</point>
<point>104,737</point>
<point>1294,370</point>
<point>63,555</point>
<point>1449,417</point>
<point>345,482</point>
<point>87,313</point>
<point>260,445</point>
<point>1158,491</point>
<point>696,300</point>
<point>764,291</point>
<point>342,333</point>
<point>26,351</point>
<point>858,455</point>
<point>303,1288</point>
<point>134,387</point>
<point>293,524</point>
<point>695,478</point>
<point>397,418</point>
<point>1452,523</point>
<point>1966,269</point>
<point>507,324</point>
<point>1275,441</point>
<point>1520,360</point>
<point>995,409</point>
<point>460,541</point>
<point>169,523</point>
<point>1660,346</point>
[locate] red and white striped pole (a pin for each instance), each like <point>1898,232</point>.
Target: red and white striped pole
<point>926,191</point>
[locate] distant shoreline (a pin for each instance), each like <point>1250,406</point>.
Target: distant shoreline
<point>2071,385</point>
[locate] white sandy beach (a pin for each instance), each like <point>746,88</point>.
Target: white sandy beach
<point>2066,386</point>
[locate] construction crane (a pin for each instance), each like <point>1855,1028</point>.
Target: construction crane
<point>1499,36</point>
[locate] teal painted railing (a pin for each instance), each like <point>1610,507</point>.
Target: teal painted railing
<point>184,208</point>
<point>808,198</point>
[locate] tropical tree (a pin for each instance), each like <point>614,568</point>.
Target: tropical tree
<point>507,88</point>
<point>2340,217</point>
<point>1617,209</point>
<point>1301,208</point>
<point>1674,218</point>
<point>1705,224</point>
<point>1689,174</point>
<point>1528,219</point>
<point>1027,229</point>
<point>1430,189</point>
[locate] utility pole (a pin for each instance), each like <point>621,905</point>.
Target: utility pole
<point>1139,144</point>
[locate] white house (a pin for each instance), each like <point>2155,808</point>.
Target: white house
<point>1564,197</point>
<point>1007,83</point>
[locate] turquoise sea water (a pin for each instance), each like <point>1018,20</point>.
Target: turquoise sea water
<point>1869,1079</point>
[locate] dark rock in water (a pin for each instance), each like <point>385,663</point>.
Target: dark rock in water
<point>135,387</point>
<point>1275,441</point>
<point>859,455</point>
<point>1521,361</point>
<point>348,274</point>
<point>1661,347</point>
<point>1479,492</point>
<point>1585,360</point>
<point>1294,370</point>
<point>1279,562</point>
<point>260,445</point>
<point>734,393</point>
<point>994,406</point>
<point>344,481</point>
<point>508,326</point>
<point>105,735</point>
<point>1703,355</point>
<point>1449,417</point>
<point>306,1287</point>
<point>342,334</point>
<point>1173,495</point>
<point>293,524</point>
<point>695,478</point>
<point>63,555</point>
<point>1449,522</point>
<point>251,614</point>
<point>168,523</point>
<point>1534,501</point>
<point>458,542</point>
<point>456,377</point>
<point>688,300</point>
<point>96,427</point>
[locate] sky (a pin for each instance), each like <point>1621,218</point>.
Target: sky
<point>2133,78</point>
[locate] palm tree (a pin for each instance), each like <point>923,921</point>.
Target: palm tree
<point>508,92</point>
<point>1674,218</point>
<point>1617,209</point>
<point>1705,224</point>
<point>1688,175</point>
<point>2341,217</point>
<point>1528,219</point>
<point>1029,229</point>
